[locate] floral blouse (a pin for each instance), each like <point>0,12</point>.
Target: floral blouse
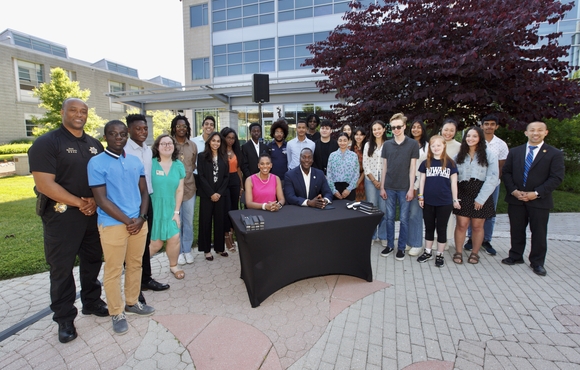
<point>374,164</point>
<point>342,167</point>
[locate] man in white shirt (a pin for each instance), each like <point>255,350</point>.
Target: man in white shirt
<point>295,146</point>
<point>489,124</point>
<point>138,132</point>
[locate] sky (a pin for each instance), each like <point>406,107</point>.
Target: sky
<point>142,34</point>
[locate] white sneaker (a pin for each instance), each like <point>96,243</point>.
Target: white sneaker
<point>408,248</point>
<point>384,243</point>
<point>188,257</point>
<point>415,251</point>
<point>181,259</point>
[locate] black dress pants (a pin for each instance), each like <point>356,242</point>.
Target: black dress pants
<point>146,264</point>
<point>212,211</point>
<point>520,216</point>
<point>67,235</point>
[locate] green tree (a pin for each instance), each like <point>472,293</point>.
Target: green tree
<point>52,94</point>
<point>161,120</point>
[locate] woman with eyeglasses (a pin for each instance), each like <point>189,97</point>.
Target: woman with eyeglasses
<point>167,177</point>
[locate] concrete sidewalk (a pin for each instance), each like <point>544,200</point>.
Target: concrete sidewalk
<point>413,316</point>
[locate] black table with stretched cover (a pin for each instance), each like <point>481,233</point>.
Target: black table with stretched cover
<point>303,242</point>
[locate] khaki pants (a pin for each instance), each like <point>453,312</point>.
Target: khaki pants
<point>119,246</point>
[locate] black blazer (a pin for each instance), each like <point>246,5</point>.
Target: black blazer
<point>206,188</point>
<point>544,176</point>
<point>249,163</point>
<point>295,188</point>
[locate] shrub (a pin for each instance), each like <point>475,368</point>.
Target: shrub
<point>14,148</point>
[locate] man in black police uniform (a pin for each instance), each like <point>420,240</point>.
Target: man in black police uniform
<point>58,162</point>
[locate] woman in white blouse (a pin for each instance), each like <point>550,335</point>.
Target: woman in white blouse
<point>448,131</point>
<point>372,165</point>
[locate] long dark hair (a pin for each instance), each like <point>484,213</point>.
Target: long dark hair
<point>373,139</point>
<point>207,153</point>
<point>354,132</point>
<point>423,139</point>
<point>155,148</point>
<point>479,149</point>
<point>236,145</point>
<point>174,125</point>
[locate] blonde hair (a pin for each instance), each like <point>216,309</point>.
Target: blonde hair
<point>444,157</point>
<point>400,116</point>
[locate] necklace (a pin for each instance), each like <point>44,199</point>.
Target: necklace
<point>262,181</point>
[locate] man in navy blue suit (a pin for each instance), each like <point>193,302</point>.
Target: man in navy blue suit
<point>306,186</point>
<point>530,174</point>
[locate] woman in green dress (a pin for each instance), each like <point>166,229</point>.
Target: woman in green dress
<point>167,174</point>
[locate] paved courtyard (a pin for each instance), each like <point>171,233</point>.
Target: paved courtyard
<point>413,316</point>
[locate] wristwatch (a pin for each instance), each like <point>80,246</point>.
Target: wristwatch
<point>537,194</point>
<point>144,217</point>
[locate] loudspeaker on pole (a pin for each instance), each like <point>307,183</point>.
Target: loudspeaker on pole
<point>260,88</point>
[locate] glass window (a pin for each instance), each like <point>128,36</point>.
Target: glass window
<point>232,3</point>
<point>234,24</point>
<point>301,51</point>
<point>235,69</point>
<point>200,69</point>
<point>304,39</point>
<point>267,7</point>
<point>298,64</point>
<point>220,60</point>
<point>567,26</point>
<point>114,87</point>
<point>219,26</point>
<point>232,48</point>
<point>286,52</point>
<point>220,49</point>
<point>234,13</point>
<point>302,3</point>
<point>250,1</point>
<point>198,15</point>
<point>341,7</point>
<point>251,56</point>
<point>286,64</point>
<point>267,54</point>
<point>250,10</point>
<point>285,5</point>
<point>30,76</point>
<point>319,2</point>
<point>251,68</point>
<point>303,13</point>
<point>267,18</point>
<point>286,40</point>
<point>322,10</point>
<point>252,45</point>
<point>267,43</point>
<point>320,36</point>
<point>251,21</point>
<point>220,71</point>
<point>218,4</point>
<point>286,16</point>
<point>219,16</point>
<point>234,58</point>
<point>267,66</point>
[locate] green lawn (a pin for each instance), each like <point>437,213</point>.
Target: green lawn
<point>23,254</point>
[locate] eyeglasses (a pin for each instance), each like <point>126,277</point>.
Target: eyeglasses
<point>165,144</point>
<point>180,126</point>
<point>396,127</point>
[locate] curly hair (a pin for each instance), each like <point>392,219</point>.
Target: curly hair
<point>174,125</point>
<point>135,117</point>
<point>480,149</point>
<point>155,148</point>
<point>279,124</point>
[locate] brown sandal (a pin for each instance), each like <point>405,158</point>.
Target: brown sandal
<point>177,272</point>
<point>473,258</point>
<point>458,258</point>
<point>230,242</point>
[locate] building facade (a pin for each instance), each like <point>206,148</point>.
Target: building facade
<point>26,62</point>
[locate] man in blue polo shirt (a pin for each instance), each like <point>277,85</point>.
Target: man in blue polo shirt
<point>120,190</point>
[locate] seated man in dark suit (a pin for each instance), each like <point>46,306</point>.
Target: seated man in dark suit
<point>306,186</point>
<point>251,151</point>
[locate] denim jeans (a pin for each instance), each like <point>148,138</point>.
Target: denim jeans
<point>489,222</point>
<point>186,232</point>
<point>415,238</point>
<point>373,196</point>
<point>394,196</point>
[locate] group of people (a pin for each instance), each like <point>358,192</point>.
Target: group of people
<point>128,201</point>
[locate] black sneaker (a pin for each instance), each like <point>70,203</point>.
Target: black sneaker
<point>386,251</point>
<point>439,261</point>
<point>424,257</point>
<point>489,249</point>
<point>400,255</point>
<point>468,245</point>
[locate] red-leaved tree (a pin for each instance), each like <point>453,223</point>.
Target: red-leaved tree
<point>440,58</point>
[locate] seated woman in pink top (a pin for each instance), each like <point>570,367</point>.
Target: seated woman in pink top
<point>263,189</point>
